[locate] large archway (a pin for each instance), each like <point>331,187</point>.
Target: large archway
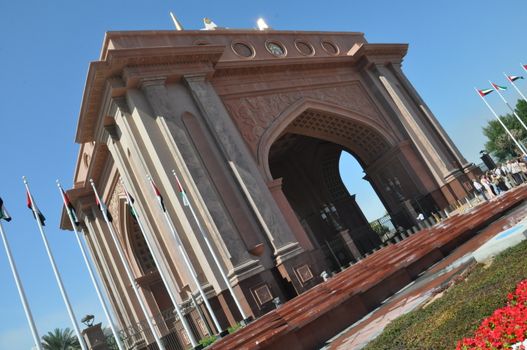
<point>305,156</point>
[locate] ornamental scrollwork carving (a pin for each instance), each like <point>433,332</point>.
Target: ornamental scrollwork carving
<point>254,114</point>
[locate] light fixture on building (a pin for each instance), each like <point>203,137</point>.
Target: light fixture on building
<point>261,24</point>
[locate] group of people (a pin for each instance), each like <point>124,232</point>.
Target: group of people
<point>502,178</point>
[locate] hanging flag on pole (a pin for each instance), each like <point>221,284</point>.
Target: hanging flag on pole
<point>3,212</point>
<point>209,246</point>
<point>130,203</point>
<point>71,209</point>
<point>40,224</point>
<point>182,192</point>
<point>75,226</point>
<point>104,209</point>
<point>520,146</point>
<point>498,87</point>
<point>511,79</point>
<point>127,268</point>
<point>484,92</point>
<point>514,77</point>
<point>184,254</point>
<point>158,195</point>
<point>34,209</point>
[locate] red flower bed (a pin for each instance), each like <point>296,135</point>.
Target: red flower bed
<point>504,328</point>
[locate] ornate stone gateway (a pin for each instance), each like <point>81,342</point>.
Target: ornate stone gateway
<point>254,124</point>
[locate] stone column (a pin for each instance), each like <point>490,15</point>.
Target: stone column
<point>152,234</point>
<point>275,187</point>
<point>433,123</point>
<point>154,128</point>
<point>234,150</point>
<point>435,157</point>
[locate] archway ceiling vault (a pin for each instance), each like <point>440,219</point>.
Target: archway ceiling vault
<point>356,137</point>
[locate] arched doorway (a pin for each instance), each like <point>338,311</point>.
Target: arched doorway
<point>305,156</point>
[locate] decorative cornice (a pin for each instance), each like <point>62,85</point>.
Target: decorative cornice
<point>116,61</point>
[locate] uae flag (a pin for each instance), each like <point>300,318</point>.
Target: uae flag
<point>159,196</point>
<point>130,202</point>
<point>484,92</point>
<point>71,209</point>
<point>30,204</point>
<point>104,209</point>
<point>499,87</point>
<point>3,212</point>
<point>183,194</point>
<point>514,77</point>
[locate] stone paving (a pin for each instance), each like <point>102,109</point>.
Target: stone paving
<point>310,319</point>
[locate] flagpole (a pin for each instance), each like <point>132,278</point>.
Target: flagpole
<point>187,262</point>
<point>20,288</point>
<point>515,87</point>
<point>508,105</point>
<point>209,246</point>
<point>184,321</point>
<point>92,274</point>
<point>127,268</point>
<point>501,122</point>
<point>55,270</point>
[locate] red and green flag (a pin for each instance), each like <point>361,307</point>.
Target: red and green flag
<point>499,87</point>
<point>3,212</point>
<point>183,194</point>
<point>514,77</point>
<point>130,202</point>
<point>104,209</point>
<point>484,92</point>
<point>34,209</point>
<point>158,195</point>
<point>70,208</point>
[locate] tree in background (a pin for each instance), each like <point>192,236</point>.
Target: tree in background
<point>499,144</point>
<point>60,339</point>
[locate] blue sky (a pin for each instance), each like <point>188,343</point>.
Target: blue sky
<point>44,55</point>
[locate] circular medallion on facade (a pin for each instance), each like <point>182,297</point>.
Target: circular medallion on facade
<point>304,48</point>
<point>275,48</point>
<point>242,49</point>
<point>330,47</point>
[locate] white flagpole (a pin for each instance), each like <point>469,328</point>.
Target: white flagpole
<point>127,269</point>
<point>508,105</point>
<point>21,293</point>
<point>182,318</point>
<point>92,274</point>
<point>187,262</point>
<point>515,87</point>
<point>501,122</point>
<point>209,246</point>
<point>55,270</point>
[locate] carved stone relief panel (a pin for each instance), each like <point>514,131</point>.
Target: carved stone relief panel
<point>254,114</point>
